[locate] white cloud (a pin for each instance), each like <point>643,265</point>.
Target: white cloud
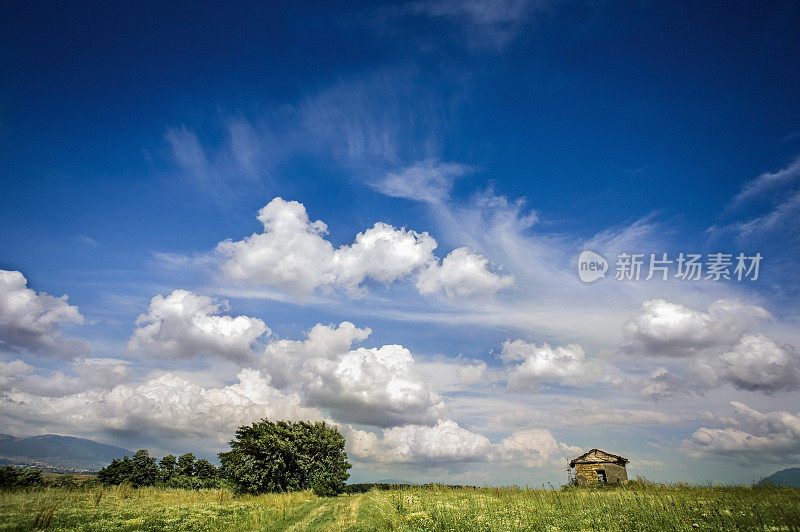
<point>87,373</point>
<point>533,448</point>
<point>429,181</point>
<point>444,442</point>
<point>767,183</point>
<point>382,253</point>
<point>755,363</point>
<point>377,386</point>
<point>472,373</point>
<point>292,254</point>
<point>772,200</point>
<point>183,325</point>
<point>31,320</point>
<point>164,409</point>
<point>781,220</point>
<point>12,370</point>
<point>532,365</point>
<point>462,273</point>
<point>282,358</point>
<point>448,443</point>
<point>755,437</point>
<point>376,120</point>
<point>671,329</point>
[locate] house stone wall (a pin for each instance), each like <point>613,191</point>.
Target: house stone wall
<point>587,473</point>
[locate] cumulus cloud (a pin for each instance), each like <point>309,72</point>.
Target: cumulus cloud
<point>448,443</point>
<point>532,365</point>
<point>752,437</point>
<point>293,254</point>
<point>445,442</point>
<point>166,408</point>
<point>11,371</point>
<point>533,448</point>
<point>377,386</point>
<point>755,363</point>
<point>462,273</point>
<point>31,321</point>
<point>86,373</point>
<point>429,181</point>
<point>382,253</point>
<point>183,325</point>
<point>670,329</point>
<point>283,357</point>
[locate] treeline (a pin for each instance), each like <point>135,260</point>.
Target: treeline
<point>264,457</point>
<point>21,477</point>
<point>185,471</point>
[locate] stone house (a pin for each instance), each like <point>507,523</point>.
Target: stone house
<point>599,467</point>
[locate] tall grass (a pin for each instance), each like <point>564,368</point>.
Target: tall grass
<point>436,508</point>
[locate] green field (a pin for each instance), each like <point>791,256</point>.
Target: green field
<point>633,507</point>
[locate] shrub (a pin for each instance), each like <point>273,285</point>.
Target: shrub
<point>20,477</point>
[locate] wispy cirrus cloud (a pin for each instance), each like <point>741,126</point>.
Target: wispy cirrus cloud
<point>490,24</point>
<point>224,172</point>
<point>428,181</point>
<point>767,205</point>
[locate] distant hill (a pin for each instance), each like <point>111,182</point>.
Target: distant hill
<point>784,477</point>
<point>52,452</point>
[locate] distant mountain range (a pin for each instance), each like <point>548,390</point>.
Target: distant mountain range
<point>784,477</point>
<point>58,453</point>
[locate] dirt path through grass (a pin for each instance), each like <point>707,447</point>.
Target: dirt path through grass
<point>347,512</point>
<point>310,517</point>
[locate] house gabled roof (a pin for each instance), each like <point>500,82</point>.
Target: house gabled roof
<point>597,456</point>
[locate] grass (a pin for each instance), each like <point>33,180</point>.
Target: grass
<point>439,508</point>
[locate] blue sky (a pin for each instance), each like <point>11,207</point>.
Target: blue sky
<point>491,143</point>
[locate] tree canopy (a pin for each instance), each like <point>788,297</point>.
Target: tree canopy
<point>285,456</point>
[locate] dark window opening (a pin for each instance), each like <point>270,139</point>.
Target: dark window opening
<point>601,475</point>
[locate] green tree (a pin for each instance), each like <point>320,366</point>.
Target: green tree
<point>145,470</point>
<point>141,470</point>
<point>186,465</point>
<point>117,472</point>
<point>286,456</point>
<point>203,469</point>
<point>167,467</point>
